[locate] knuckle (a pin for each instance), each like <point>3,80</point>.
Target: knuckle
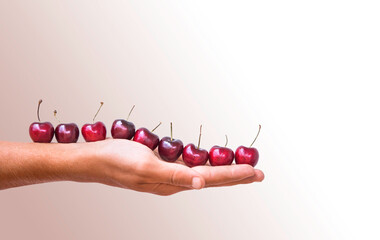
<point>173,179</point>
<point>140,166</point>
<point>142,171</point>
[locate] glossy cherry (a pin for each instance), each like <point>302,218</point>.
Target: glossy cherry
<point>194,156</point>
<point>147,138</point>
<point>123,129</point>
<point>220,156</point>
<point>247,155</point>
<point>41,132</point>
<point>66,132</point>
<point>170,149</point>
<point>96,131</point>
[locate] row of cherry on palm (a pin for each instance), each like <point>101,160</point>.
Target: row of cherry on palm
<point>169,149</point>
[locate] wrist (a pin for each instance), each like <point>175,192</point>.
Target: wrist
<point>83,164</point>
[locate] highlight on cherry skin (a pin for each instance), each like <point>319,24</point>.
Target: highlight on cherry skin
<point>41,132</point>
<point>248,155</point>
<point>122,129</point>
<point>147,138</point>
<point>169,148</point>
<point>66,132</point>
<point>96,131</point>
<point>195,156</point>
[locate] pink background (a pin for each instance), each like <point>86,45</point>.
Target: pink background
<point>305,70</point>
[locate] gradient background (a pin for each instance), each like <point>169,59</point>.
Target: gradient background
<point>306,70</point>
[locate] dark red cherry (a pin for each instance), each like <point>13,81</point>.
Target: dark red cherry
<point>195,156</point>
<point>122,129</point>
<point>147,138</point>
<point>41,132</point>
<point>170,149</point>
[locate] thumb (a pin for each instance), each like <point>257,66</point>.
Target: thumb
<point>180,175</point>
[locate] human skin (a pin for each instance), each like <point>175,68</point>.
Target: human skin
<point>115,162</point>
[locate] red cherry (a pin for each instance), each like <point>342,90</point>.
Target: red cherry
<point>96,131</point>
<point>170,149</point>
<point>247,155</point>
<point>194,156</point>
<point>147,138</point>
<point>41,132</point>
<point>221,155</point>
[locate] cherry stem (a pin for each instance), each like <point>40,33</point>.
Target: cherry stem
<point>256,136</point>
<point>171,131</point>
<point>38,110</point>
<point>200,134</point>
<point>156,127</point>
<point>226,141</point>
<point>55,115</point>
<point>130,112</point>
<point>96,114</point>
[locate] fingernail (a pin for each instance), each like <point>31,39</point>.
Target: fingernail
<point>196,183</point>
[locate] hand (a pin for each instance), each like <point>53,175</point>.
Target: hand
<point>130,165</point>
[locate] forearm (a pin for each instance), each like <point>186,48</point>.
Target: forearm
<point>31,163</point>
<point>113,162</point>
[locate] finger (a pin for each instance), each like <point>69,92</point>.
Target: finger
<point>258,177</point>
<point>217,175</point>
<point>179,175</point>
